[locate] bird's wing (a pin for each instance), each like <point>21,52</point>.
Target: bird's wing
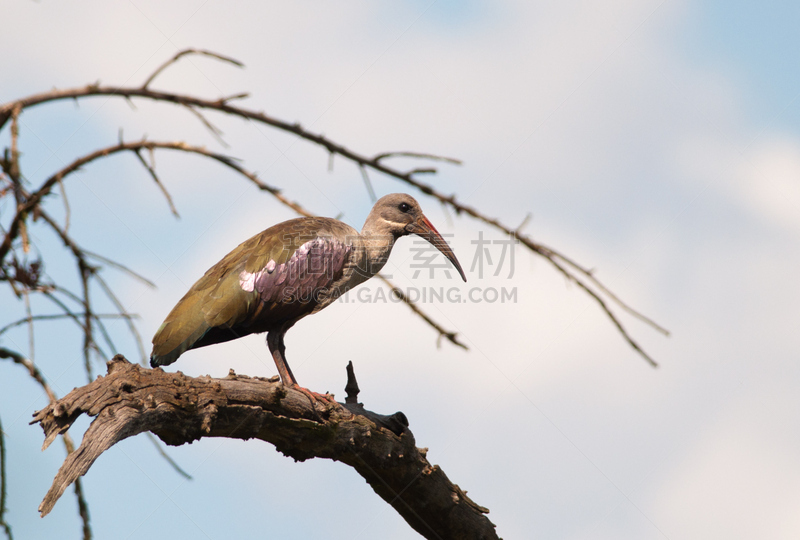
<point>270,279</point>
<point>311,269</point>
<point>281,272</point>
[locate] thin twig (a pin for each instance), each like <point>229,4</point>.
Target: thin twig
<point>106,336</point>
<point>432,157</point>
<point>166,456</point>
<point>86,271</point>
<point>83,508</point>
<point>130,103</point>
<point>88,335</point>
<point>71,314</point>
<point>451,336</point>
<point>215,131</point>
<point>448,215</point>
<point>184,52</point>
<point>608,312</point>
<point>61,316</point>
<point>234,97</point>
<point>127,316</point>
<point>368,184</point>
<point>522,225</point>
<point>119,266</point>
<point>158,182</point>
<point>67,212</point>
<point>590,276</point>
<point>33,371</point>
<point>66,292</point>
<point>122,314</point>
<point>80,252</point>
<point>29,320</point>
<point>33,200</point>
<point>3,490</point>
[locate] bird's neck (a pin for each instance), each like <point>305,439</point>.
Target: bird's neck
<point>376,245</point>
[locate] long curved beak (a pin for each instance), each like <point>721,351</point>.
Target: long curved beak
<point>425,229</point>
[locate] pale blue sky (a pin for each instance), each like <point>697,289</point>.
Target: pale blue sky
<point>658,142</point>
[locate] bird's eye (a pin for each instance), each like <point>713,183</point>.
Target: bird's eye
<point>404,207</point>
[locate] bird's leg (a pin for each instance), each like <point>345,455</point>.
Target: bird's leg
<point>278,350</point>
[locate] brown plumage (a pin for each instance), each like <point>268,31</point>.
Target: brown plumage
<point>284,273</point>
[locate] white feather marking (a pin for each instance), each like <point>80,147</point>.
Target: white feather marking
<point>247,281</point>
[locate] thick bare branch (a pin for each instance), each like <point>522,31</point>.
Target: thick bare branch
<point>178,409</point>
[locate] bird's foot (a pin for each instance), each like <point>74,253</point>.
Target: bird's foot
<point>313,396</point>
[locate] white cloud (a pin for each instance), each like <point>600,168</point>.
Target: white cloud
<point>770,182</point>
<point>630,159</point>
<point>737,481</point>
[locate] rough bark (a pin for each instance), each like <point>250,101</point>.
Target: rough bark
<point>179,409</point>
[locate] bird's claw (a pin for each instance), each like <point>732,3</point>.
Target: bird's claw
<point>314,396</point>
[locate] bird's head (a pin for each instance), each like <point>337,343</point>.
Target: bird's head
<point>399,214</point>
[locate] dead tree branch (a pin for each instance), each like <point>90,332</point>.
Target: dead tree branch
<point>184,52</point>
<point>178,409</point>
<point>32,203</point>
<point>574,272</point>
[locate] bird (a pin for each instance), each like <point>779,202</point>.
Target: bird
<point>285,273</point>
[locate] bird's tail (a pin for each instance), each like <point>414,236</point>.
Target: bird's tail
<point>184,327</point>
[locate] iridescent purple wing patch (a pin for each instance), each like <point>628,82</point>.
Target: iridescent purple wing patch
<point>310,271</point>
